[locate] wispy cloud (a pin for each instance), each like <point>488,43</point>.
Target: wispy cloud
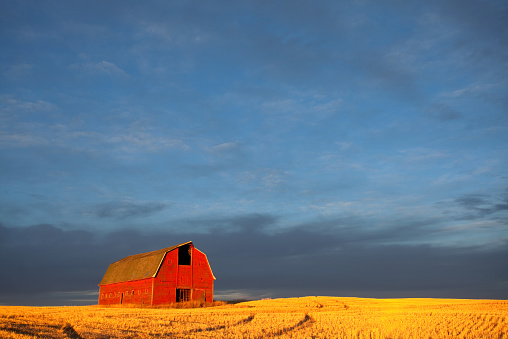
<point>443,112</point>
<point>422,155</point>
<point>21,140</point>
<point>12,105</point>
<point>101,68</point>
<point>138,142</point>
<point>128,209</point>
<point>477,206</point>
<point>473,89</point>
<point>307,105</point>
<point>179,33</point>
<point>264,179</point>
<point>225,147</point>
<point>19,70</point>
<point>139,137</point>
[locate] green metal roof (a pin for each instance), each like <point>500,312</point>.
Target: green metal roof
<point>138,266</point>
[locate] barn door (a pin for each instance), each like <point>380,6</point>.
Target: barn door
<point>183,294</point>
<point>199,294</point>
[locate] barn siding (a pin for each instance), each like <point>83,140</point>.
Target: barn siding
<point>165,281</point>
<point>202,276</point>
<point>184,276</point>
<point>131,292</point>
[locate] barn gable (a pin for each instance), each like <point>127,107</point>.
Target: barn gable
<point>209,268</point>
<point>138,266</point>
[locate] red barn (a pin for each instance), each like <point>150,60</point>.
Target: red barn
<point>173,274</point>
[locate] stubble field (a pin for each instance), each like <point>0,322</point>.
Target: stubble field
<point>308,317</point>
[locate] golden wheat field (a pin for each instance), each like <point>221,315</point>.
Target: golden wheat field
<point>307,317</point>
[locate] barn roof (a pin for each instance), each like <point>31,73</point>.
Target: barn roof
<point>138,266</point>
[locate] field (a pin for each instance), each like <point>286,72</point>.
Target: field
<point>308,317</point>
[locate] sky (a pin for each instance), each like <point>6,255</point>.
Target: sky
<point>342,148</point>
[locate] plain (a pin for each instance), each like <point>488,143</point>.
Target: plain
<point>306,317</point>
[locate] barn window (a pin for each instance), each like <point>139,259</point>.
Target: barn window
<point>132,292</point>
<point>110,295</point>
<point>184,255</point>
<point>146,291</point>
<point>102,296</point>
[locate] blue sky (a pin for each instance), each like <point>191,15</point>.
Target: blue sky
<point>275,134</point>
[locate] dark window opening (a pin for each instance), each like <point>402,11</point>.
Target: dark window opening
<point>184,255</point>
<point>182,295</point>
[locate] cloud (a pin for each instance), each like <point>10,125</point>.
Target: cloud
<point>227,153</point>
<point>383,73</point>
<point>19,70</point>
<point>475,89</point>
<point>483,26</point>
<point>17,140</point>
<point>217,159</point>
<point>306,107</point>
<point>48,255</point>
<point>480,205</point>
<point>128,209</point>
<point>250,256</point>
<point>183,34</point>
<point>225,147</point>
<point>264,179</point>
<point>249,223</point>
<point>102,67</point>
<point>10,105</point>
<point>443,112</point>
<point>422,155</point>
<point>136,139</point>
<point>133,141</point>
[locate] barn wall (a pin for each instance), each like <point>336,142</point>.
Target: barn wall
<point>184,276</point>
<point>165,281</point>
<point>129,292</point>
<point>202,277</point>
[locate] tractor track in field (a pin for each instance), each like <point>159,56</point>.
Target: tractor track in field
<point>41,330</point>
<point>25,329</point>
<point>221,327</point>
<point>306,321</point>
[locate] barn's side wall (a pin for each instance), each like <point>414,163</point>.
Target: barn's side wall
<point>130,292</point>
<point>202,277</point>
<point>165,281</point>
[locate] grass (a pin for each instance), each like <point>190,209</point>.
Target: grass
<point>308,317</point>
